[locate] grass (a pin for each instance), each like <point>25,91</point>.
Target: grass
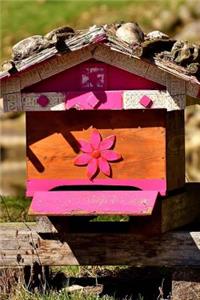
<point>14,209</point>
<point>22,18</point>
<point>63,295</point>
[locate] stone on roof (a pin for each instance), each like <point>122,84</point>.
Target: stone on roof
<point>128,38</point>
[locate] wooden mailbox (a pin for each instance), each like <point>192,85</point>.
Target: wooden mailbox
<point>104,126</point>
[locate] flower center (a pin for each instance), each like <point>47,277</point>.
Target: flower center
<point>96,154</point>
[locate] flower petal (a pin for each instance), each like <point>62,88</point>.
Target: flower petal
<point>107,143</point>
<point>85,146</point>
<point>82,159</point>
<point>110,155</point>
<point>104,166</point>
<point>92,168</point>
<point>95,139</point>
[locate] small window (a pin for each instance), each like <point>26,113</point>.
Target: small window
<point>93,77</point>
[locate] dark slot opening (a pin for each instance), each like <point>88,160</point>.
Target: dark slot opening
<point>95,188</point>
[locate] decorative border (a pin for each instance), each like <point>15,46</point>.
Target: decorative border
<point>159,99</point>
<point>116,100</point>
<point>56,102</point>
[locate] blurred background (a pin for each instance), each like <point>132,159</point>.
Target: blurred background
<point>20,19</point>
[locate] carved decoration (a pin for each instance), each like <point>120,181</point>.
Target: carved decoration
<point>160,99</point>
<point>30,101</point>
<point>93,77</point>
<point>131,100</point>
<point>97,154</point>
<point>12,102</point>
<point>43,100</point>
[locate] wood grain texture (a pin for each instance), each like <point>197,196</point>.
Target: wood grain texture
<point>12,84</point>
<point>176,87</point>
<point>175,147</point>
<point>130,64</point>
<point>52,143</point>
<point>21,245</point>
<point>24,243</point>
<point>169,213</point>
<point>182,208</point>
<point>60,63</point>
<point>91,203</point>
<point>29,77</point>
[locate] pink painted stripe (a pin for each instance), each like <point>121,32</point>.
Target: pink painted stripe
<point>94,100</point>
<point>35,185</point>
<point>76,203</point>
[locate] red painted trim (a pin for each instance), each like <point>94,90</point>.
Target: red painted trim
<point>35,185</point>
<point>76,203</point>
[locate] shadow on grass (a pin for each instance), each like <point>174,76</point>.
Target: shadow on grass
<point>129,283</point>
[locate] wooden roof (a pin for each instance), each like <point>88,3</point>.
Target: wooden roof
<point>153,59</point>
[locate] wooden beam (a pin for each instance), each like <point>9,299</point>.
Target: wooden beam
<point>130,64</point>
<point>175,149</point>
<point>114,100</point>
<point>21,245</point>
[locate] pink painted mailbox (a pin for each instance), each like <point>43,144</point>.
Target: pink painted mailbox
<point>104,123</point>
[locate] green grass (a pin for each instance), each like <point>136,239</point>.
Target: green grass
<point>14,209</point>
<point>21,18</point>
<point>63,295</point>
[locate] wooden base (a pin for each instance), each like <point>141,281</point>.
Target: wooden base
<point>77,241</point>
<point>21,245</point>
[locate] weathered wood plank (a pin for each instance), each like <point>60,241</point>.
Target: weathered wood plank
<point>21,245</point>
<point>130,64</point>
<point>181,208</point>
<point>87,203</point>
<point>175,149</point>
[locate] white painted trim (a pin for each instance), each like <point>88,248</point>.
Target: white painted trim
<point>56,101</point>
<point>161,99</point>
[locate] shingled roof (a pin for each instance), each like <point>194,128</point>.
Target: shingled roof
<point>178,58</point>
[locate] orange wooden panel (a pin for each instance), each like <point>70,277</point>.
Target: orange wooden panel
<point>52,143</point>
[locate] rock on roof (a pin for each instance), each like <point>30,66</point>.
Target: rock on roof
<point>179,57</point>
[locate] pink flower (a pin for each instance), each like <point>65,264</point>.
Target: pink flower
<point>97,154</point>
